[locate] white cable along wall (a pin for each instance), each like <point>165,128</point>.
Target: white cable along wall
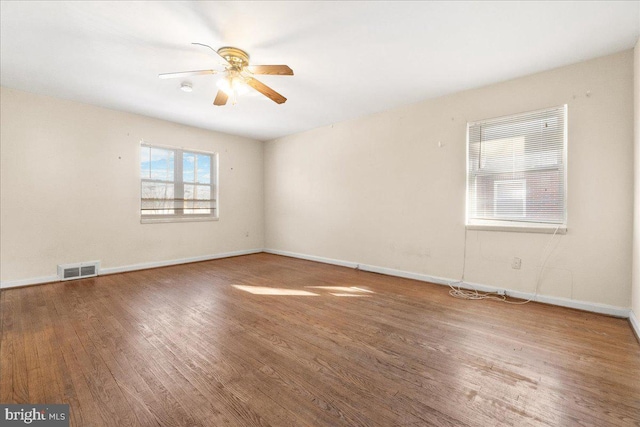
<point>457,291</point>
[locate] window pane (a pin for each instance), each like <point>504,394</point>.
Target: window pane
<point>197,199</point>
<point>509,200</point>
<point>203,192</point>
<point>204,169</point>
<point>188,167</point>
<point>189,191</point>
<point>157,198</point>
<point>502,154</point>
<point>145,163</point>
<point>161,164</point>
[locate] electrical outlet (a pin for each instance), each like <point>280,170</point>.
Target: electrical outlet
<point>516,263</point>
<point>501,292</point>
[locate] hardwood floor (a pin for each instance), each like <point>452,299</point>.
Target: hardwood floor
<point>264,340</point>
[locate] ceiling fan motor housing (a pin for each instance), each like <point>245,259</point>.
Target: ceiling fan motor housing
<point>238,58</point>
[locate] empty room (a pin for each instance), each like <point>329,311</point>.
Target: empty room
<point>319,213</point>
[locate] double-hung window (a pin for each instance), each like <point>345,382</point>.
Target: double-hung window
<point>177,184</point>
<point>517,172</point>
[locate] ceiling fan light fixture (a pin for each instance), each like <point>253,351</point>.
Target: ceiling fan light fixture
<point>225,85</point>
<point>186,87</point>
<point>233,85</point>
<point>230,84</point>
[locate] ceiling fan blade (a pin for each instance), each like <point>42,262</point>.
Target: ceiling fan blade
<point>186,74</point>
<point>265,90</point>
<point>279,70</point>
<point>221,98</point>
<point>214,51</point>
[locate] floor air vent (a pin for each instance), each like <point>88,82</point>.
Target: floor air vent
<point>78,271</point>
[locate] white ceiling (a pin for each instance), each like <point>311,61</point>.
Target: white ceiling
<point>350,58</point>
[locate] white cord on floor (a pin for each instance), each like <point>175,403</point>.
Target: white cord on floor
<point>473,294</point>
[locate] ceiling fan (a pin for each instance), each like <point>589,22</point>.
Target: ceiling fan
<point>238,75</point>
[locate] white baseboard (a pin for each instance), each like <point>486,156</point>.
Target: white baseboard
<point>635,325</point>
<point>28,282</point>
<point>610,310</point>
<point>406,274</point>
<point>312,258</point>
<point>133,267</point>
<point>156,264</point>
<point>547,299</point>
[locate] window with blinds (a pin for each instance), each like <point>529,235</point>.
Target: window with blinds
<point>177,184</point>
<point>516,170</point>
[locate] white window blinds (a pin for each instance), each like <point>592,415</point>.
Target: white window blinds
<point>516,169</point>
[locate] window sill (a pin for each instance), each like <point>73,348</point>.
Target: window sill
<point>165,219</point>
<point>518,227</point>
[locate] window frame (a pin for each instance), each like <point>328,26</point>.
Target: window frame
<point>179,184</point>
<point>496,224</point>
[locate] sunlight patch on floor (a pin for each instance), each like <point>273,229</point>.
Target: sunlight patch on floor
<point>264,290</point>
<point>336,291</point>
<point>352,290</point>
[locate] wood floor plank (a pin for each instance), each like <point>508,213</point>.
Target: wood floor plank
<point>315,359</point>
<point>265,340</point>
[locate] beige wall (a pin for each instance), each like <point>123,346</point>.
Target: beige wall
<point>380,191</point>
<point>377,190</point>
<point>70,189</point>
<point>636,216</point>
